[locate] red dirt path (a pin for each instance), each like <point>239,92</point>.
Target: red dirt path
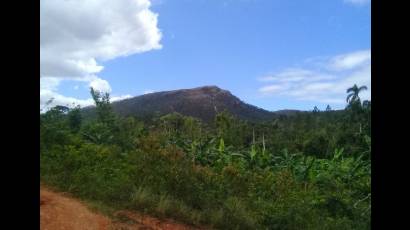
<point>62,212</point>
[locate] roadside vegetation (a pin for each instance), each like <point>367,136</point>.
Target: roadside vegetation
<point>310,170</point>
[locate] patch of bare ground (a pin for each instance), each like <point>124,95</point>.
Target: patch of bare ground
<point>59,211</point>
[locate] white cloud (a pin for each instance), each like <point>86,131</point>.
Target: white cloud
<point>59,99</point>
<point>350,60</point>
<point>76,35</point>
<point>148,91</point>
<point>295,75</point>
<point>119,98</point>
<point>48,90</point>
<point>49,83</point>
<point>326,86</point>
<point>71,102</point>
<point>319,86</point>
<point>357,2</point>
<point>100,85</point>
<point>287,75</point>
<point>272,88</point>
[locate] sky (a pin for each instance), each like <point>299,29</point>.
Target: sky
<point>275,54</point>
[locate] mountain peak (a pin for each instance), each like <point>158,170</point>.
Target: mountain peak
<point>204,89</point>
<point>208,87</point>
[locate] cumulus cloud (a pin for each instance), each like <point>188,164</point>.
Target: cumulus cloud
<point>327,86</point>
<point>77,35</point>
<point>100,85</point>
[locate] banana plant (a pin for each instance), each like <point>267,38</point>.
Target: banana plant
<point>284,160</point>
<point>304,167</point>
<point>98,138</point>
<point>191,148</point>
<point>337,154</point>
<point>203,151</point>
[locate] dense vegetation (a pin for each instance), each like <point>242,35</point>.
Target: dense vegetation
<point>307,171</point>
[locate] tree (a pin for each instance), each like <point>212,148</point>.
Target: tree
<point>328,108</point>
<point>353,93</point>
<point>316,109</point>
<point>172,124</point>
<point>317,144</point>
<point>223,123</point>
<point>47,104</point>
<point>74,119</point>
<point>53,127</point>
<point>130,132</point>
<point>62,109</point>
<point>56,113</point>
<point>103,107</point>
<point>366,104</point>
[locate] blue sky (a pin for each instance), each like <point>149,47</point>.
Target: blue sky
<point>275,54</point>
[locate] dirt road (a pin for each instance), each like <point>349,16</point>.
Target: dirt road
<point>61,212</point>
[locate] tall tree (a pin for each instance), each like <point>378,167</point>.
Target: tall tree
<point>353,93</point>
<point>104,110</point>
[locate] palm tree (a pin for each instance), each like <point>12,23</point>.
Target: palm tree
<point>353,93</point>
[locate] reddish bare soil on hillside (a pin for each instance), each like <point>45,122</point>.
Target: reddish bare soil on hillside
<point>60,211</point>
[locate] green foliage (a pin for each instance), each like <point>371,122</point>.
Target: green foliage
<point>103,106</point>
<point>75,119</point>
<point>308,171</point>
<point>98,133</point>
<point>317,144</point>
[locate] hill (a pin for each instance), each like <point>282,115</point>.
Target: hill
<point>202,102</point>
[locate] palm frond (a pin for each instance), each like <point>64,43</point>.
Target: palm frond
<point>348,97</point>
<point>352,89</point>
<point>362,88</point>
